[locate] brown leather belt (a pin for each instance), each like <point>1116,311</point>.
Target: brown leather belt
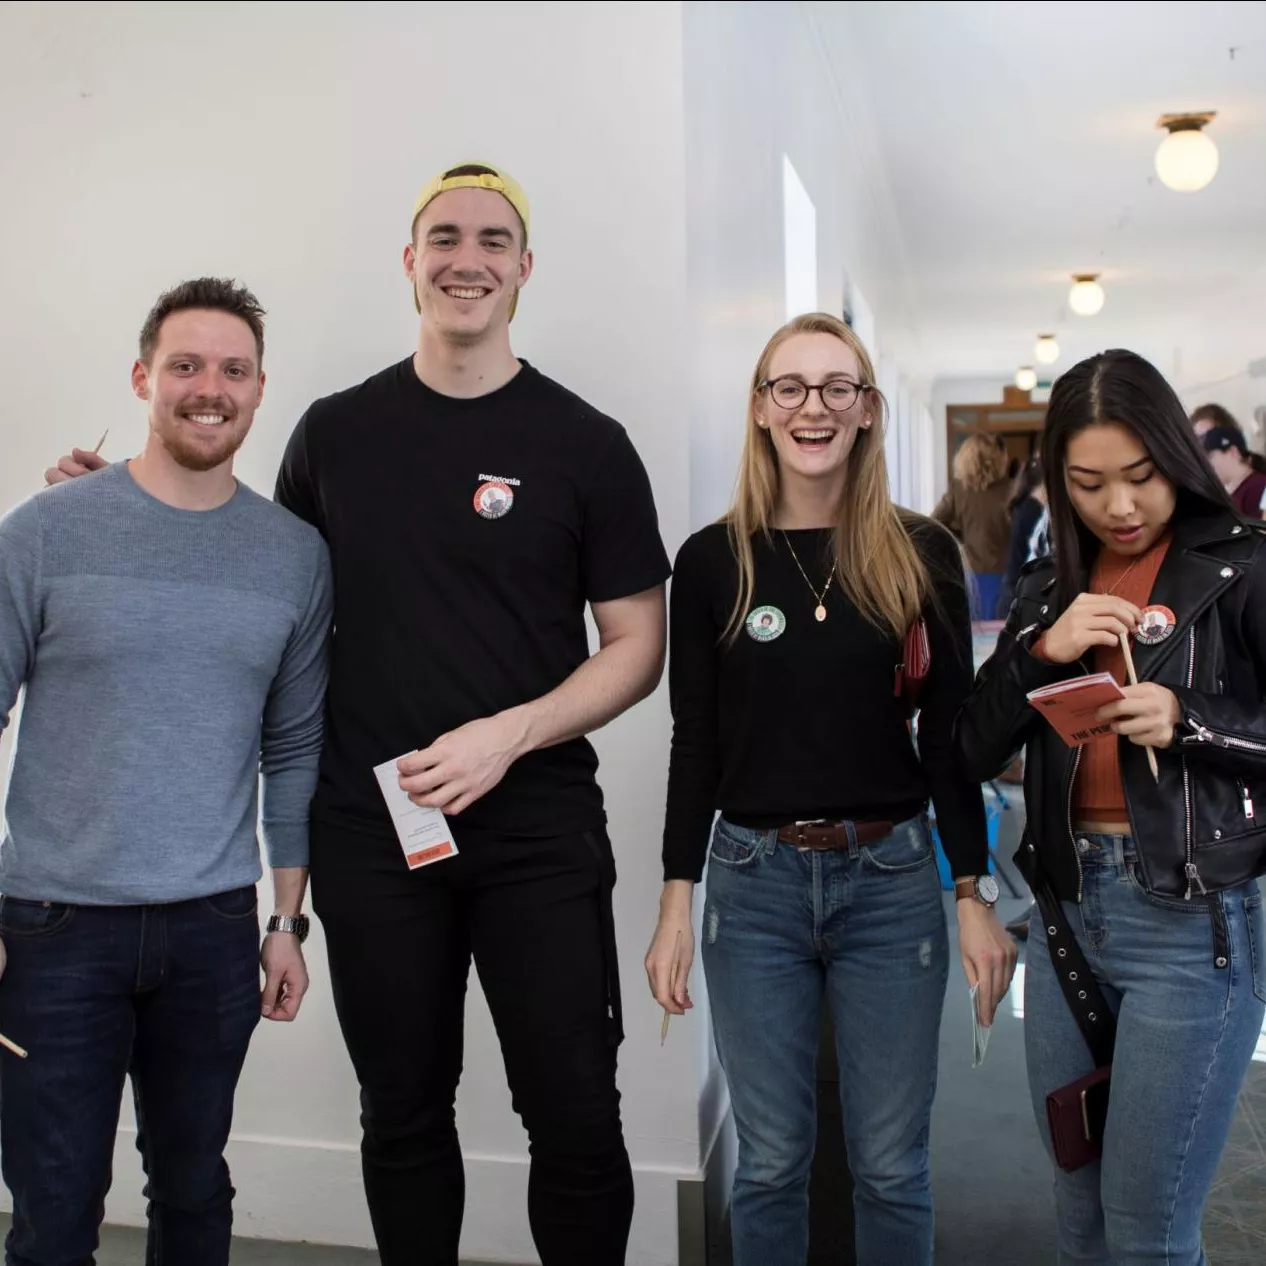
<point>823,836</point>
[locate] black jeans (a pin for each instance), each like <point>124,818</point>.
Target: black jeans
<point>167,993</point>
<point>535,914</point>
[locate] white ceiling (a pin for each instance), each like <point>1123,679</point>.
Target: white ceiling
<point>1016,143</point>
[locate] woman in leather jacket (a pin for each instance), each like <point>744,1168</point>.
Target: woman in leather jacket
<point>1155,874</point>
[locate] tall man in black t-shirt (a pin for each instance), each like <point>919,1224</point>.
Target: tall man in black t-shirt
<point>473,507</point>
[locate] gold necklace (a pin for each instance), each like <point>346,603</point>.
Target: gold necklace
<point>1121,578</point>
<point>819,611</point>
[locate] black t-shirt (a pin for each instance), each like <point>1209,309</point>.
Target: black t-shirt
<point>796,719</point>
<point>467,535</point>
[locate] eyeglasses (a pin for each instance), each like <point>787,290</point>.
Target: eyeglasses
<point>837,395</point>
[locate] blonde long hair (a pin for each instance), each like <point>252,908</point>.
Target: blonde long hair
<point>980,462</point>
<point>877,564</point>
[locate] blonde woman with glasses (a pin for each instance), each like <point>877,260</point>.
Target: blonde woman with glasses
<point>788,622</point>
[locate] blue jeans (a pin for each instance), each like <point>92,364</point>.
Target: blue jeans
<point>864,929</point>
<point>166,993</point>
<point>1186,1031</point>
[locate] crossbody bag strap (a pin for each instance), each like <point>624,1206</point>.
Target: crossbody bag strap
<point>1081,991</point>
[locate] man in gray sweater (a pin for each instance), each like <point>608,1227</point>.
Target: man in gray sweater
<point>170,628</point>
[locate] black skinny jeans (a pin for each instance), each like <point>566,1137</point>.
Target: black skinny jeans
<point>535,914</point>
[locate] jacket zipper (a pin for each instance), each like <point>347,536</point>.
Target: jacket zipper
<point>1205,735</point>
<point>1072,839</point>
<point>1247,797</point>
<point>1193,874</point>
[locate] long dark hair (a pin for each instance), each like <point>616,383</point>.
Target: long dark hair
<point>1119,386</point>
<point>1028,477</point>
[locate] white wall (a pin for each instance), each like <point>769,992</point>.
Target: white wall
<point>758,88</point>
<point>148,143</point>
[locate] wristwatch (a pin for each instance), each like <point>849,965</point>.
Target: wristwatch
<point>295,924</point>
<point>983,887</point>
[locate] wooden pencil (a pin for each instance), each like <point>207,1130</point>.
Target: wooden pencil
<point>1134,681</point>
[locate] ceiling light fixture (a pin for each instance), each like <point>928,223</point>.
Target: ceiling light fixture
<point>1046,349</point>
<point>1086,297</point>
<point>1025,378</point>
<point>1187,159</point>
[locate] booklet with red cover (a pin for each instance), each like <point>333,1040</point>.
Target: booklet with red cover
<point>1072,707</point>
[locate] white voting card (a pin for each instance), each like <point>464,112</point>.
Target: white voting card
<point>424,833</point>
<point>979,1033</point>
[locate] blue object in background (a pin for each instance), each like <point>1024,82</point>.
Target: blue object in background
<point>995,806</point>
<point>985,588</point>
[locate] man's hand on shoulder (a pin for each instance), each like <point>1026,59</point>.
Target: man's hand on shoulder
<point>80,461</point>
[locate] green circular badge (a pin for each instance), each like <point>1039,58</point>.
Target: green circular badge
<point>765,624</point>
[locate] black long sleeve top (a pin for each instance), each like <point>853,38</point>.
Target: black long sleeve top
<point>797,719</point>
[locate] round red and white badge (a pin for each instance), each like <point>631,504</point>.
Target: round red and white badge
<point>493,500</point>
<point>1156,625</point>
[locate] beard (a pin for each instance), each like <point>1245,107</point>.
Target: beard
<point>203,452</point>
<point>201,457</point>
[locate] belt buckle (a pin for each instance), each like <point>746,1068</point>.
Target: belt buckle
<point>801,846</point>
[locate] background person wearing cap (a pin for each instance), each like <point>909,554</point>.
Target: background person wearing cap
<point>1207,416</point>
<point>1243,472</point>
<point>473,508</point>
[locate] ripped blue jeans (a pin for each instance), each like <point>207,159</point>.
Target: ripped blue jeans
<point>865,930</point>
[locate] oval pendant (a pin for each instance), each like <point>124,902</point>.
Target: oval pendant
<point>820,613</point>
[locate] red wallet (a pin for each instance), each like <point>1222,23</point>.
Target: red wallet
<point>1076,1114</point>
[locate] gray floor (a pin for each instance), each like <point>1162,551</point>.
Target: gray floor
<point>122,1246</point>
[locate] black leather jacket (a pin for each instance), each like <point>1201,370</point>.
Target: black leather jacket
<point>1202,827</point>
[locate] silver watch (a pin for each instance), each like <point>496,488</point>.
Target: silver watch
<point>295,924</point>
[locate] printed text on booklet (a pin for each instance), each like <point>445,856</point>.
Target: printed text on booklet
<point>1072,707</point>
<point>424,833</point>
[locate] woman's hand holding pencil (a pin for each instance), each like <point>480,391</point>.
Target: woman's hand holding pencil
<point>671,955</point>
<point>1146,716</point>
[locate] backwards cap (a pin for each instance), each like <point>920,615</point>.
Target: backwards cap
<point>489,178</point>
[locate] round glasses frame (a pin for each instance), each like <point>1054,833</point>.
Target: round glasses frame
<point>838,395</point>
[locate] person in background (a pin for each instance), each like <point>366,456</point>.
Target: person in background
<point>1030,538</point>
<point>1151,879</point>
<point>787,620</point>
<point>171,628</point>
<point>1030,529</point>
<point>1207,416</point>
<point>975,510</point>
<point>1243,472</point>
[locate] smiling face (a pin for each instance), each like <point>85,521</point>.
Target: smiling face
<point>467,262</point>
<point>203,384</point>
<point>1116,488</point>
<point>812,405</point>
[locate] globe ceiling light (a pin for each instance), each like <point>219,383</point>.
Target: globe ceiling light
<point>1187,159</point>
<point>1086,297</point>
<point>1025,378</point>
<point>1046,349</point>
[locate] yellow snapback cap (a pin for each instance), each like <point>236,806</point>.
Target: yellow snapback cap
<point>493,178</point>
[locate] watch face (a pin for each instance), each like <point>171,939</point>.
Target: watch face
<point>987,887</point>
